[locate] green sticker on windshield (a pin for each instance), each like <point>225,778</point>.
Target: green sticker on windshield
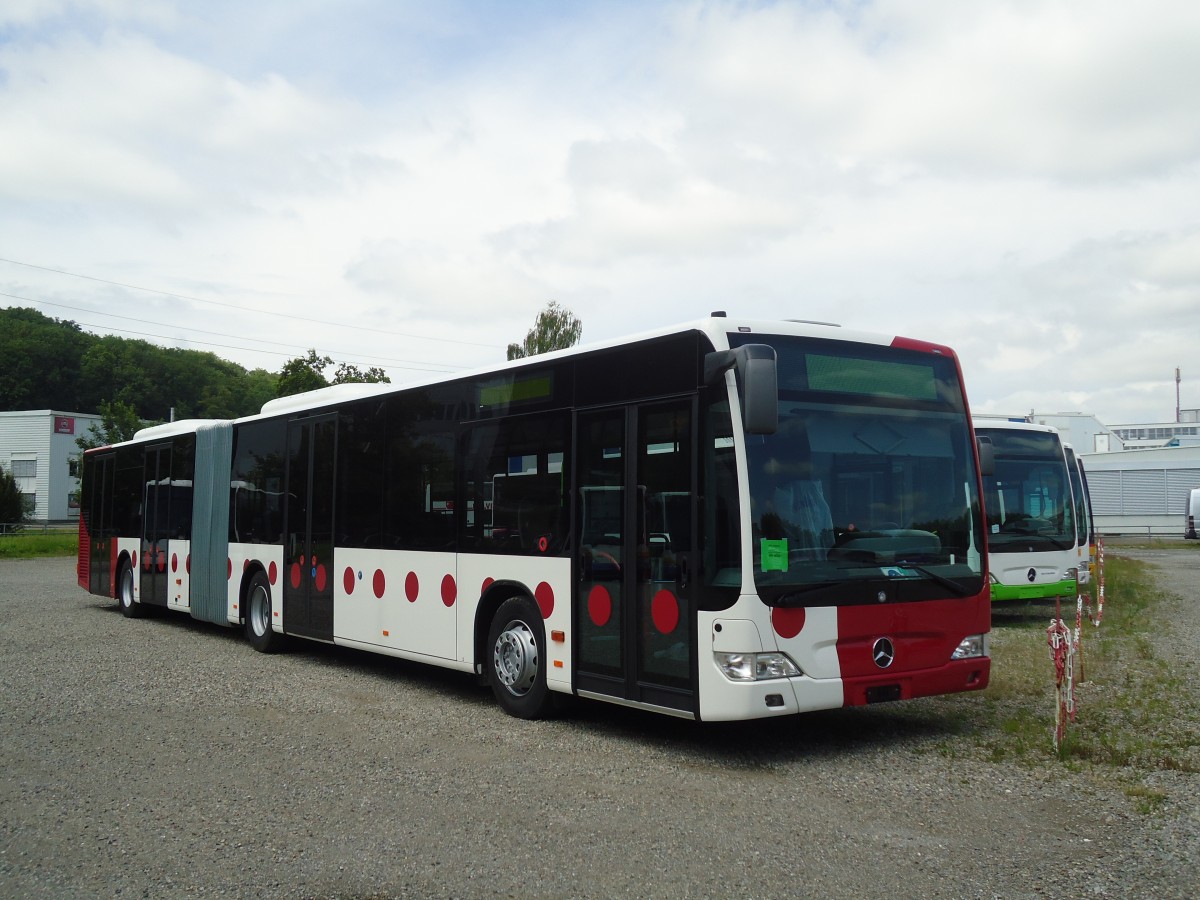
<point>774,555</point>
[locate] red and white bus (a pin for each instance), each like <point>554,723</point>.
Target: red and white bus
<point>728,520</point>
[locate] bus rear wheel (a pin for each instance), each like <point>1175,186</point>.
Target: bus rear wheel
<point>130,608</point>
<point>258,616</point>
<point>516,661</point>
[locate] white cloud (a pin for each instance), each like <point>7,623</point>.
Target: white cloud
<point>1018,180</point>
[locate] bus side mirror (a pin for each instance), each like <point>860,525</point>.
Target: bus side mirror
<point>987,456</point>
<point>758,382</point>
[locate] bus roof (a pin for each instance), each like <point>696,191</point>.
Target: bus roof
<point>983,421</point>
<point>716,327</point>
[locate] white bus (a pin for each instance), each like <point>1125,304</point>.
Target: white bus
<point>1085,524</point>
<point>727,520</point>
<point>1030,512</point>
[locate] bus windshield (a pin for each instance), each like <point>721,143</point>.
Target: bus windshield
<point>867,491</point>
<point>1028,500</point>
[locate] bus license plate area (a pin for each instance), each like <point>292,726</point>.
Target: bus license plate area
<point>883,693</point>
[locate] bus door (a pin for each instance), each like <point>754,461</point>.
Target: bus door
<point>635,618</point>
<point>308,551</point>
<point>156,525</point>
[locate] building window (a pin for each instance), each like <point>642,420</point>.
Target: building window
<point>24,468</point>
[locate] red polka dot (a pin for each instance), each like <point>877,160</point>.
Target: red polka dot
<point>245,564</point>
<point>295,575</point>
<point>133,558</point>
<point>322,577</point>
<point>449,590</point>
<point>378,583</point>
<point>544,595</point>
<point>487,583</point>
<point>272,572</point>
<point>664,610</point>
<point>228,568</point>
<point>348,580</point>
<point>174,562</point>
<point>787,622</point>
<point>188,565</point>
<point>412,587</point>
<point>599,604</point>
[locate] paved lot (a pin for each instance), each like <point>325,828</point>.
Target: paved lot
<point>163,757</point>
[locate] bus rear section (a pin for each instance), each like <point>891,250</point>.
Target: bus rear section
<point>864,573</point>
<point>1031,513</point>
<point>1191,514</point>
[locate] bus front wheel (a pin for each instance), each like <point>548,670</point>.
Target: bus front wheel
<point>130,608</point>
<point>516,662</point>
<point>258,616</point>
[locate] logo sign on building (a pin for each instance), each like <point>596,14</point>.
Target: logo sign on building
<point>64,425</point>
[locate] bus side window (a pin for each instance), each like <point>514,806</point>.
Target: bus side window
<point>518,463</point>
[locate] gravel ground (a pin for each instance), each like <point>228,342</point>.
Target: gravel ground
<point>163,757</point>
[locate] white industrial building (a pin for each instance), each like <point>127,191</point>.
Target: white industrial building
<point>1142,491</point>
<point>1139,475</point>
<point>37,447</point>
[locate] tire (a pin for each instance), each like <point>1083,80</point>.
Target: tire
<point>516,660</point>
<point>258,616</point>
<point>130,607</point>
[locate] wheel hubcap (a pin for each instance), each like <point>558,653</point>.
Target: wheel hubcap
<point>516,657</point>
<point>259,612</point>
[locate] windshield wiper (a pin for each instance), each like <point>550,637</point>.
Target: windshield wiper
<point>940,579</point>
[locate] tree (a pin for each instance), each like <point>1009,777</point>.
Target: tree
<point>304,373</point>
<point>119,421</point>
<point>307,373</point>
<point>555,328</point>
<point>348,374</point>
<point>12,504</point>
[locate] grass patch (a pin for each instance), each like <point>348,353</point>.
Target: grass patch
<point>1145,799</point>
<point>38,545</point>
<point>1133,713</point>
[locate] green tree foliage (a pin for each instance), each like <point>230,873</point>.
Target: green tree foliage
<point>12,505</point>
<point>52,364</point>
<point>307,373</point>
<point>40,356</point>
<point>118,422</point>
<point>348,374</point>
<point>555,328</point>
<point>304,373</point>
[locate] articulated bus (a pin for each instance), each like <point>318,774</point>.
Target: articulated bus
<point>1031,512</point>
<point>722,521</point>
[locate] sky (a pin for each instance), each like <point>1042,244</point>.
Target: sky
<point>407,184</point>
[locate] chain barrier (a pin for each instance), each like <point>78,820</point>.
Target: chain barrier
<point>1066,647</point>
<point>1099,586</point>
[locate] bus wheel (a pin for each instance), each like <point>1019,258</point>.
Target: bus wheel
<point>517,660</point>
<point>258,616</point>
<point>130,608</point>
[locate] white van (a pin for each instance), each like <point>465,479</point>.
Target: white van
<point>1193,514</point>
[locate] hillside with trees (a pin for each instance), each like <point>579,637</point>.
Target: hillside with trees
<point>54,364</point>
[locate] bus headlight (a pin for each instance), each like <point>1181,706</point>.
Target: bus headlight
<point>971,646</point>
<point>756,666</point>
